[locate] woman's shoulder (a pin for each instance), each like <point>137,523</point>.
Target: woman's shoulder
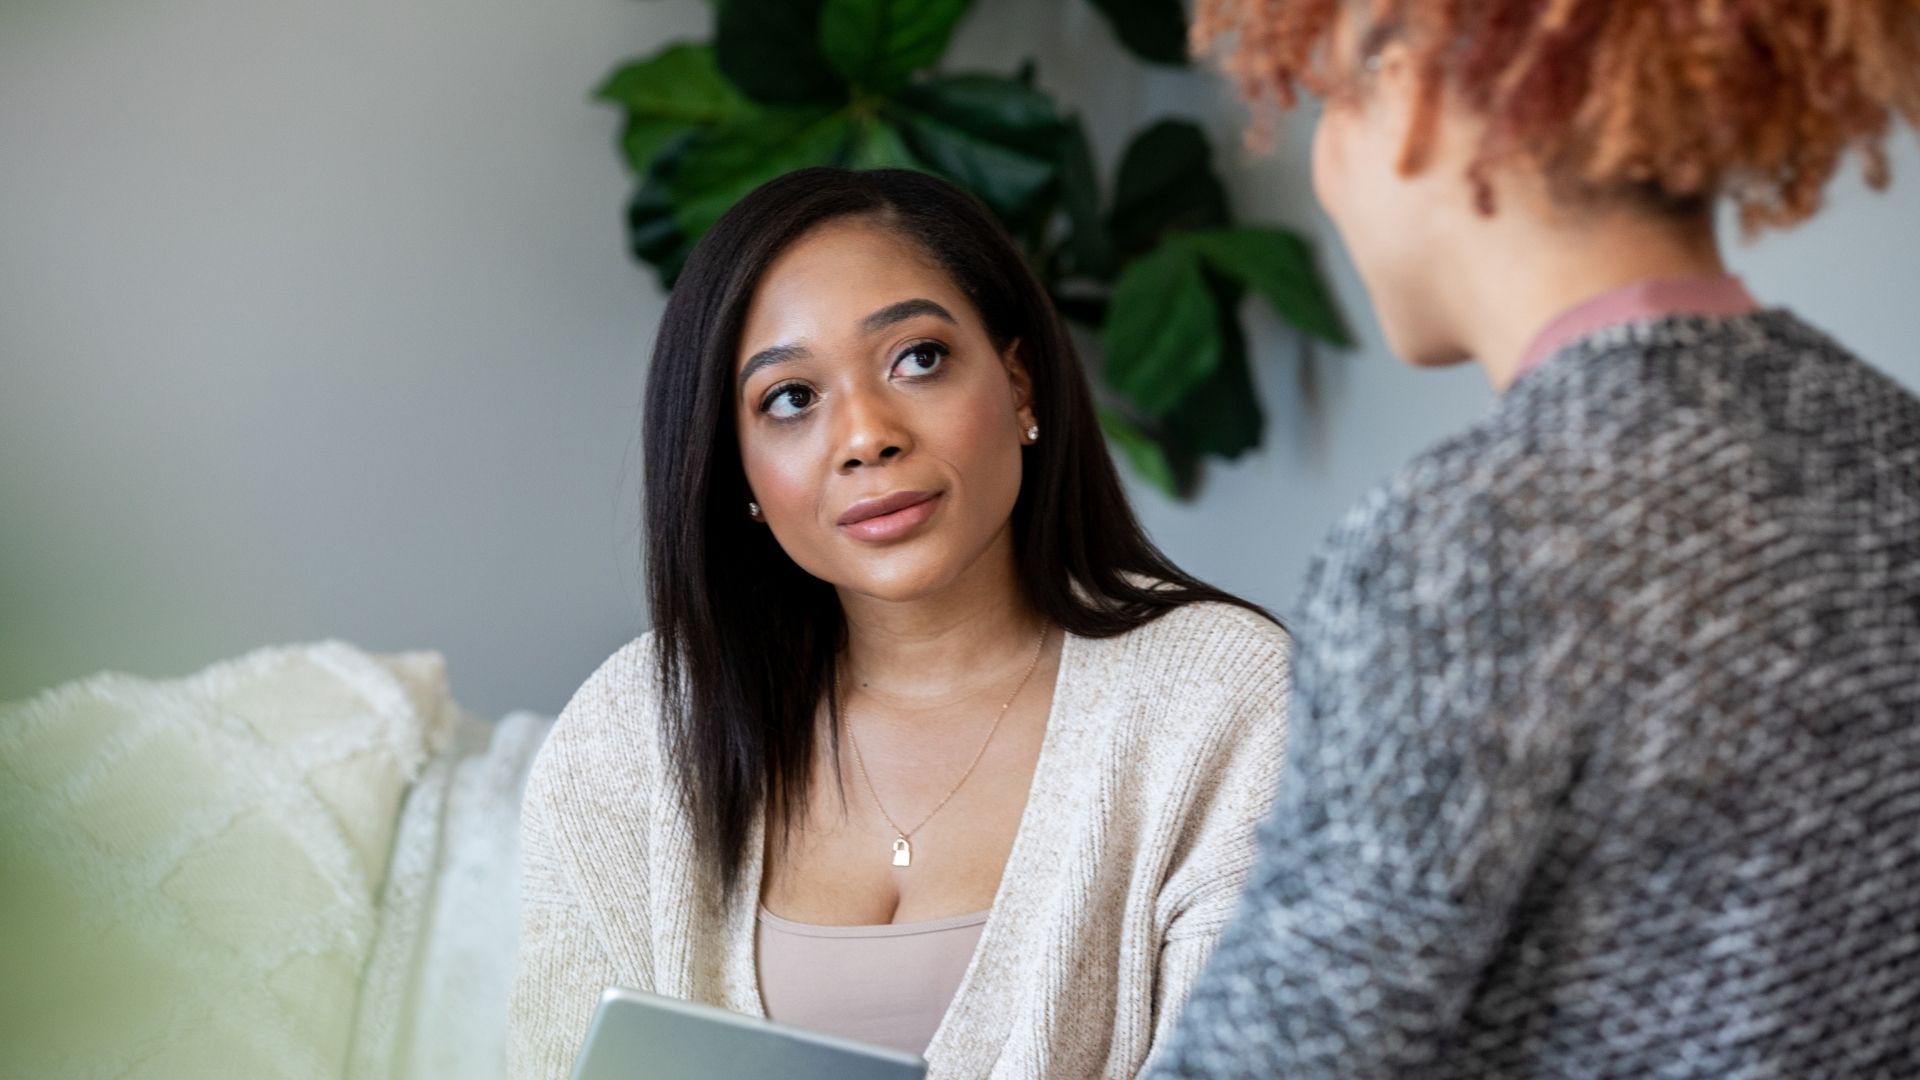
<point>1203,658</point>
<point>1186,706</point>
<point>1209,638</point>
<point>609,731</point>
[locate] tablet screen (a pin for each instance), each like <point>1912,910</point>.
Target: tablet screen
<point>640,1036</point>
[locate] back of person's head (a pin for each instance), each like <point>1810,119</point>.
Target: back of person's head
<point>1464,137</point>
<point>1757,101</point>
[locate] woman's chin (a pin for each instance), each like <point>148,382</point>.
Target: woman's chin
<point>903,574</point>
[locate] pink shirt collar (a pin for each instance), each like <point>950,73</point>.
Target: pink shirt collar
<point>1718,295</point>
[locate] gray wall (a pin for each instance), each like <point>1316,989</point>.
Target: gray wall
<point>315,321</point>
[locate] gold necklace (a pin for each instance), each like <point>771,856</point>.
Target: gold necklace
<point>903,838</point>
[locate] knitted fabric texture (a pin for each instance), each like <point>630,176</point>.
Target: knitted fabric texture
<point>1606,753</point>
<point>1161,755</point>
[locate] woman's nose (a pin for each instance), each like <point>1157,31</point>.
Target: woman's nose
<point>871,434</point>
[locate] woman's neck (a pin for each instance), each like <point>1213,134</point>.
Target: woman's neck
<point>946,646</point>
<point>1530,271</point>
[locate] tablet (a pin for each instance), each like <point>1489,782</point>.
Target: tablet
<point>638,1036</point>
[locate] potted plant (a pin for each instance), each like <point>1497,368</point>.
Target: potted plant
<point>1153,263</point>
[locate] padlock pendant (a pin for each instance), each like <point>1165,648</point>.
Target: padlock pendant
<point>902,852</point>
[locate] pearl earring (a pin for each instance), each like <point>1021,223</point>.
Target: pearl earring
<point>1033,433</point>
<point>753,510</point>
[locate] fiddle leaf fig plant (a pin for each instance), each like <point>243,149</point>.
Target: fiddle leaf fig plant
<point>1154,266</point>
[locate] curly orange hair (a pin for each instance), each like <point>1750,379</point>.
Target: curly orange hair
<point>1684,100</point>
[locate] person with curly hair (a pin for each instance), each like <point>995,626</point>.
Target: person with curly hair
<point>1605,751</point>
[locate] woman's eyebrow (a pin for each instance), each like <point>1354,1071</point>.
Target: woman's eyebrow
<point>879,320</point>
<point>904,310</point>
<point>776,354</point>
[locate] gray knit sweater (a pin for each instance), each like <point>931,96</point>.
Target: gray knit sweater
<point>1606,753</point>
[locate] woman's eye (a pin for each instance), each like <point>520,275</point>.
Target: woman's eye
<point>787,401</point>
<point>922,359</point>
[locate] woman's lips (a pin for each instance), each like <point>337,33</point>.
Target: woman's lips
<point>889,517</point>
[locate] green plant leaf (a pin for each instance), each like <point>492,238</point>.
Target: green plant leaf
<point>1277,264</point>
<point>1162,335</point>
<point>1166,182</point>
<point>667,95</point>
<point>877,44</point>
<point>1010,109</point>
<point>993,136</point>
<point>1141,451</point>
<point>652,233</point>
<point>877,145</point>
<point>1090,249</point>
<point>1221,415</point>
<point>1086,311</point>
<point>770,50</point>
<point>1153,30</point>
<point>722,164</point>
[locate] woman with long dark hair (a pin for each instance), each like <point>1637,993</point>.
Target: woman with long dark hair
<point>929,745</point>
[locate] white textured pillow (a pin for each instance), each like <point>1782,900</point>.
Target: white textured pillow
<point>190,870</point>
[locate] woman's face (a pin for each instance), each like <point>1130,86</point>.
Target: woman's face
<point>879,427</point>
<point>1397,228</point>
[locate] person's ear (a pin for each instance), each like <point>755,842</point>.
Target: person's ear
<point>1021,381</point>
<point>1397,109</point>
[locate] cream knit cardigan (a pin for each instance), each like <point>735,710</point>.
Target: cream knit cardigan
<point>1161,754</point>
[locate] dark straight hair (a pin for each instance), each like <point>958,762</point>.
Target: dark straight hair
<point>747,642</point>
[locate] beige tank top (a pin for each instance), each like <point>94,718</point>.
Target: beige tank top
<point>889,985</point>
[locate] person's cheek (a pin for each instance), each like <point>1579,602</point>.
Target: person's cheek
<point>784,486</point>
<point>1325,185</point>
<point>992,442</point>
